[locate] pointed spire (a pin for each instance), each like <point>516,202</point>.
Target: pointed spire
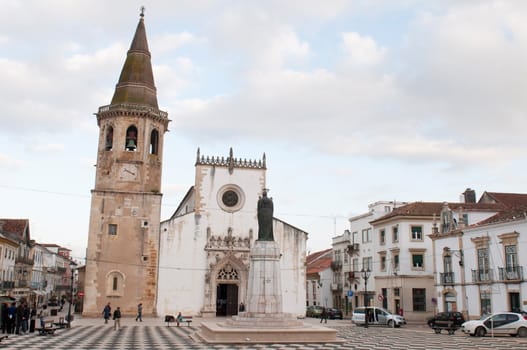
<point>136,83</point>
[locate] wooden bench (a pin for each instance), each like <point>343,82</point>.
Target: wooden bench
<point>171,318</point>
<point>47,329</point>
<point>187,319</point>
<point>168,319</point>
<point>61,323</point>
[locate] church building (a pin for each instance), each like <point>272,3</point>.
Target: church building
<point>197,261</point>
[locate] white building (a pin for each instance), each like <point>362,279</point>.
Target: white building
<point>319,278</point>
<point>352,251</point>
<point>8,250</point>
<point>479,263</point>
<point>205,245</point>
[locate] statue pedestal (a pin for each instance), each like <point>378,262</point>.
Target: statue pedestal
<point>264,295</point>
<point>264,321</point>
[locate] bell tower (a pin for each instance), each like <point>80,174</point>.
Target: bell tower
<point>123,238</point>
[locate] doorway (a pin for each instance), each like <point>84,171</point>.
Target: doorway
<point>226,300</point>
<point>514,300</point>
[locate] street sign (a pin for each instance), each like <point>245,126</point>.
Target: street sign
<point>350,293</point>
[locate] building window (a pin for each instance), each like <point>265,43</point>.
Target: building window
<point>396,292</point>
<point>395,234</point>
<point>396,262</point>
<point>367,263</point>
<point>419,299</point>
<point>485,301</point>
<point>382,236</point>
<point>366,235</point>
<point>511,257</point>
<point>114,283</point>
<point>112,229</point>
<point>483,264</point>
<point>447,264</point>
<point>417,233</point>
<point>417,261</point>
<point>355,264</point>
<point>154,142</point>
<point>383,263</point>
<point>108,145</point>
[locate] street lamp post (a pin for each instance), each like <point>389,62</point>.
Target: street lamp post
<point>366,275</point>
<point>72,266</point>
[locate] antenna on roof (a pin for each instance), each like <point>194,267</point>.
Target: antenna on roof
<point>142,14</point>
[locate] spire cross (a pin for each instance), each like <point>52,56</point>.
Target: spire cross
<point>142,14</point>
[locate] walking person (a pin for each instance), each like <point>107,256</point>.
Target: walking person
<point>324,315</point>
<point>24,323</point>
<point>117,319</point>
<point>139,313</point>
<point>107,312</point>
<point>33,318</point>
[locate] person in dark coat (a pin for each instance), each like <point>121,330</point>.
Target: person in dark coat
<point>33,318</point>
<point>11,318</point>
<point>107,312</point>
<point>324,315</point>
<point>3,317</point>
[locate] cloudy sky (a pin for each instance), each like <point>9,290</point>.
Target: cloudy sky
<point>353,102</point>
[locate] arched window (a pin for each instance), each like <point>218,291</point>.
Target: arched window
<point>114,283</point>
<point>109,139</point>
<point>154,141</point>
<point>131,139</point>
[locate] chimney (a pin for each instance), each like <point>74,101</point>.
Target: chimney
<point>469,196</point>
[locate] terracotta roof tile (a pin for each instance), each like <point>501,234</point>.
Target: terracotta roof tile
<point>419,209</point>
<point>15,227</point>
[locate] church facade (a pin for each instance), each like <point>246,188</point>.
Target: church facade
<point>197,261</point>
<point>205,246</point>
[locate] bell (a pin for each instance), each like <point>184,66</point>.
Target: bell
<point>130,145</point>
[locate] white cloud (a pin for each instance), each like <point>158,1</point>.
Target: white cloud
<point>46,148</point>
<point>7,162</point>
<point>161,44</point>
<point>362,50</point>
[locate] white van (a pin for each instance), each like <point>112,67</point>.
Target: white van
<point>376,316</point>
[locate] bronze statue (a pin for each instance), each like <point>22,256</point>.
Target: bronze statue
<point>265,218</point>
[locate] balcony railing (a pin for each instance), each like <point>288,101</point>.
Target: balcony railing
<point>8,284</point>
<point>510,273</point>
<point>482,276</point>
<point>336,265</point>
<point>24,260</point>
<point>22,283</point>
<point>447,278</point>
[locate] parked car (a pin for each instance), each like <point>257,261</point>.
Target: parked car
<point>456,317</point>
<point>313,311</point>
<point>376,316</point>
<point>512,323</point>
<point>334,314</point>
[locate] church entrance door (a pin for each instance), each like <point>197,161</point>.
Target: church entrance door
<point>226,300</point>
